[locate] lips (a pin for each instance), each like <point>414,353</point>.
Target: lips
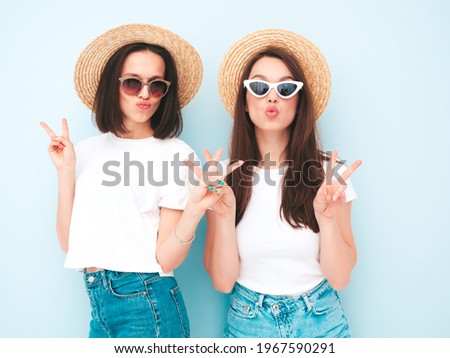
<point>143,105</point>
<point>272,111</point>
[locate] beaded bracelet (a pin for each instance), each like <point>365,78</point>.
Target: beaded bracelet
<point>181,241</point>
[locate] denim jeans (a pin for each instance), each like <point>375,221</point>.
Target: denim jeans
<point>315,314</point>
<point>126,304</point>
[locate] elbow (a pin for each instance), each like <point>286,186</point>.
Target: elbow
<point>64,245</point>
<point>224,286</point>
<point>339,283</point>
<point>166,268</point>
<point>223,283</point>
<point>63,239</point>
<point>219,282</point>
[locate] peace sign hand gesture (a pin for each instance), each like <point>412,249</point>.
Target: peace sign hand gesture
<point>61,149</point>
<point>331,196</point>
<point>212,192</point>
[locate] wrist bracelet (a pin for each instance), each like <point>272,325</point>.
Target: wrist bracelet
<point>181,241</point>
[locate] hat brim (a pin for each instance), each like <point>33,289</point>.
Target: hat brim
<point>305,52</point>
<point>93,58</point>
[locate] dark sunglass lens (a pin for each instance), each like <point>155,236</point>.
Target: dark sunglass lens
<point>286,89</point>
<point>259,88</point>
<point>131,86</point>
<point>158,88</point>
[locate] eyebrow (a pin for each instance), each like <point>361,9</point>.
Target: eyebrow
<point>284,78</point>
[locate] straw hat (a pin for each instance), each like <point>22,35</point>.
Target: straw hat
<point>305,52</point>
<point>93,58</point>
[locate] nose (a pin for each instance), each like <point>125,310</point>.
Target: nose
<point>145,92</point>
<point>272,96</point>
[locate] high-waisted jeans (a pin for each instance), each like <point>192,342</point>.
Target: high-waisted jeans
<point>126,304</point>
<point>315,314</point>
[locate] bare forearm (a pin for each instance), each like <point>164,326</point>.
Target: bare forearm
<point>172,251</point>
<point>223,261</point>
<point>337,258</point>
<point>66,193</point>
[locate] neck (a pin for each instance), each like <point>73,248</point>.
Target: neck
<point>272,147</point>
<point>137,131</point>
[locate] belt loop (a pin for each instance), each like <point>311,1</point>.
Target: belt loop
<point>308,303</point>
<point>260,300</point>
<point>104,279</point>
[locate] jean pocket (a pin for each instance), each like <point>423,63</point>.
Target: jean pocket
<point>326,303</point>
<point>127,286</point>
<point>182,312</point>
<point>241,306</point>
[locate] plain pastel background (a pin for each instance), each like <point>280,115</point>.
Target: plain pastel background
<point>390,65</point>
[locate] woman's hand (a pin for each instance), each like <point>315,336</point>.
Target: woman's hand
<point>212,192</point>
<point>61,149</point>
<point>331,195</point>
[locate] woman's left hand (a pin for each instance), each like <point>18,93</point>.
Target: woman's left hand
<point>331,195</point>
<point>212,191</point>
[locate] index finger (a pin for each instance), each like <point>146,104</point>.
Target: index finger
<point>212,165</point>
<point>209,157</point>
<point>47,129</point>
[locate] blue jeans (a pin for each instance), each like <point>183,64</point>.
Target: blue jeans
<point>141,305</point>
<point>315,314</point>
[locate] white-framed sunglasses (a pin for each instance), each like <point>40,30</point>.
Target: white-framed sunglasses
<point>285,89</point>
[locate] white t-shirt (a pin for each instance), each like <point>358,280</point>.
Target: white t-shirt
<point>275,258</point>
<point>121,184</point>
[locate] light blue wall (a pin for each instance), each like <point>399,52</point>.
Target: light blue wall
<point>390,65</point>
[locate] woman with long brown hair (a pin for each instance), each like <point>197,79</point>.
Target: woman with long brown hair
<point>280,237</point>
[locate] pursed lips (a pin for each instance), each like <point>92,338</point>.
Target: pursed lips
<point>272,111</point>
<point>143,105</point>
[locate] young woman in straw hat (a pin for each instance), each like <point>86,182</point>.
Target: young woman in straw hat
<point>126,214</point>
<point>280,238</point>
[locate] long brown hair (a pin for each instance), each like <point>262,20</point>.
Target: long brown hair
<point>166,121</point>
<point>303,175</point>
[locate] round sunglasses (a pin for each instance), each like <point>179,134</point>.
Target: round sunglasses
<point>133,86</point>
<point>285,89</point>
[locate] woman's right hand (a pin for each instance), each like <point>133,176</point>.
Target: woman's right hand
<point>61,149</point>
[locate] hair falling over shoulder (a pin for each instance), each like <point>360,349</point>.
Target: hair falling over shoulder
<point>304,173</point>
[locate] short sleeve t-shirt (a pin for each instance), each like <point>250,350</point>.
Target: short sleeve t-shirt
<point>121,184</point>
<point>275,258</point>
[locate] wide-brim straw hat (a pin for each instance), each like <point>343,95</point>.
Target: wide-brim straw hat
<point>93,59</point>
<point>304,51</point>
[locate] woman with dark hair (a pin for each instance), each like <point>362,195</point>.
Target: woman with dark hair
<point>127,213</point>
<point>280,237</point>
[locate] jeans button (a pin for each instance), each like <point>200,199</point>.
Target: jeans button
<point>91,279</point>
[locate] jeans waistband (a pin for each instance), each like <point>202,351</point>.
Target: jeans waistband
<point>263,300</point>
<point>102,277</point>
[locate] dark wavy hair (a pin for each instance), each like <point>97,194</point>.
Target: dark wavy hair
<point>166,122</point>
<point>303,175</point>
